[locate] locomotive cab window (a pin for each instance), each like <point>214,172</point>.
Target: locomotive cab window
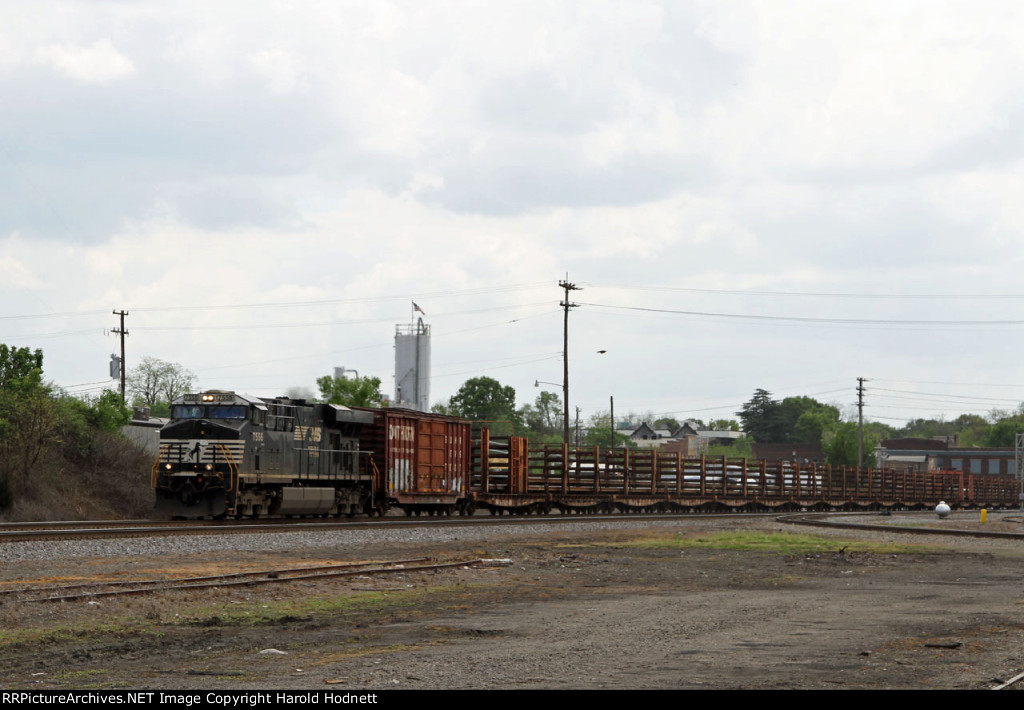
<point>237,412</point>
<point>188,411</point>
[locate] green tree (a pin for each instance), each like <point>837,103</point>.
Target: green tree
<point>351,392</point>
<point>761,417</point>
<point>668,423</point>
<point>972,429</point>
<point>484,399</point>
<point>814,422</point>
<point>1004,433</point>
<point>542,419</point>
<point>107,412</point>
<point>791,409</point>
<point>840,444</point>
<point>599,433</point>
<point>28,417</point>
<point>21,369</point>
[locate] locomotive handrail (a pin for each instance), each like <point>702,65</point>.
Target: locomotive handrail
<point>232,466</point>
<point>154,471</point>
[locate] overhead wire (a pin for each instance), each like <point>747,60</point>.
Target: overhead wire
<point>973,325</point>
<point>813,294</point>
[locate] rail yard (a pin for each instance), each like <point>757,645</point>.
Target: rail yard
<point>619,602</point>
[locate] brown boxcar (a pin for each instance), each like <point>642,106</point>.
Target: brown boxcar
<point>424,459</point>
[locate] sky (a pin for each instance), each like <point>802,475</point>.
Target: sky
<point>781,195</point>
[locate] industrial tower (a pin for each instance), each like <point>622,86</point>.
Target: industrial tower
<point>412,366</point>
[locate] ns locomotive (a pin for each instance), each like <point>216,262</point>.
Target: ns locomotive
<point>225,454</point>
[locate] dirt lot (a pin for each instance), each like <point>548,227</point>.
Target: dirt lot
<point>574,610</point>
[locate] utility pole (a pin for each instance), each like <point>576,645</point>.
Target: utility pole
<point>565,353</point>
<point>860,422</point>
<point>122,332</point>
<point>1018,468</point>
<point>611,401</point>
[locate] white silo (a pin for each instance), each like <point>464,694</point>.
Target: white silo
<point>412,366</point>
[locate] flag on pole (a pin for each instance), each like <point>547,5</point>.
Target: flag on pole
<point>417,308</point>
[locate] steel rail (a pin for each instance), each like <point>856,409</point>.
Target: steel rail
<point>205,578</point>
<point>232,580</point>
<point>819,520</point>
<point>220,527</point>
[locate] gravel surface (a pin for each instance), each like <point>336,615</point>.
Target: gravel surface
<point>579,608</point>
<point>48,550</point>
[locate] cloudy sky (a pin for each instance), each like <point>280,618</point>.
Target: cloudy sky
<point>786,195</point>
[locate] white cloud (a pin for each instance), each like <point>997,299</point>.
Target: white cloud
<point>376,150</point>
<point>97,63</point>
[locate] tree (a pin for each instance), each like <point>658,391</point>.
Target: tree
<point>28,416</point>
<point>599,433</point>
<point>154,381</point>
<point>841,444</point>
<point>972,429</point>
<point>668,423</point>
<point>543,419</point>
<point>814,422</point>
<point>21,369</point>
<point>791,409</point>
<point>354,392</point>
<point>484,399</point>
<point>107,412</point>
<point>760,417</point>
<point>1004,433</point>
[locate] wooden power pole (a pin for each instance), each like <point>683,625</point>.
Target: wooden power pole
<point>565,354</point>
<point>122,332</point>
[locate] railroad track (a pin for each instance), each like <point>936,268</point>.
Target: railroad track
<point>89,591</point>
<point>829,520</point>
<point>20,532</point>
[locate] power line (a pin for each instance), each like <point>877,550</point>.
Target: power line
<point>319,324</point>
<point>812,294</point>
<point>799,319</point>
<point>944,395</point>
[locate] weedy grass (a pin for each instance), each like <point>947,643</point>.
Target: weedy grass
<point>776,542</point>
<point>97,626</point>
<point>356,605</point>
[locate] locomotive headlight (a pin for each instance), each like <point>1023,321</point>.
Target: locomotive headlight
<point>209,467</point>
<point>167,466</point>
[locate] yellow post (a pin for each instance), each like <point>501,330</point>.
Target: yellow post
<point>984,514</point>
